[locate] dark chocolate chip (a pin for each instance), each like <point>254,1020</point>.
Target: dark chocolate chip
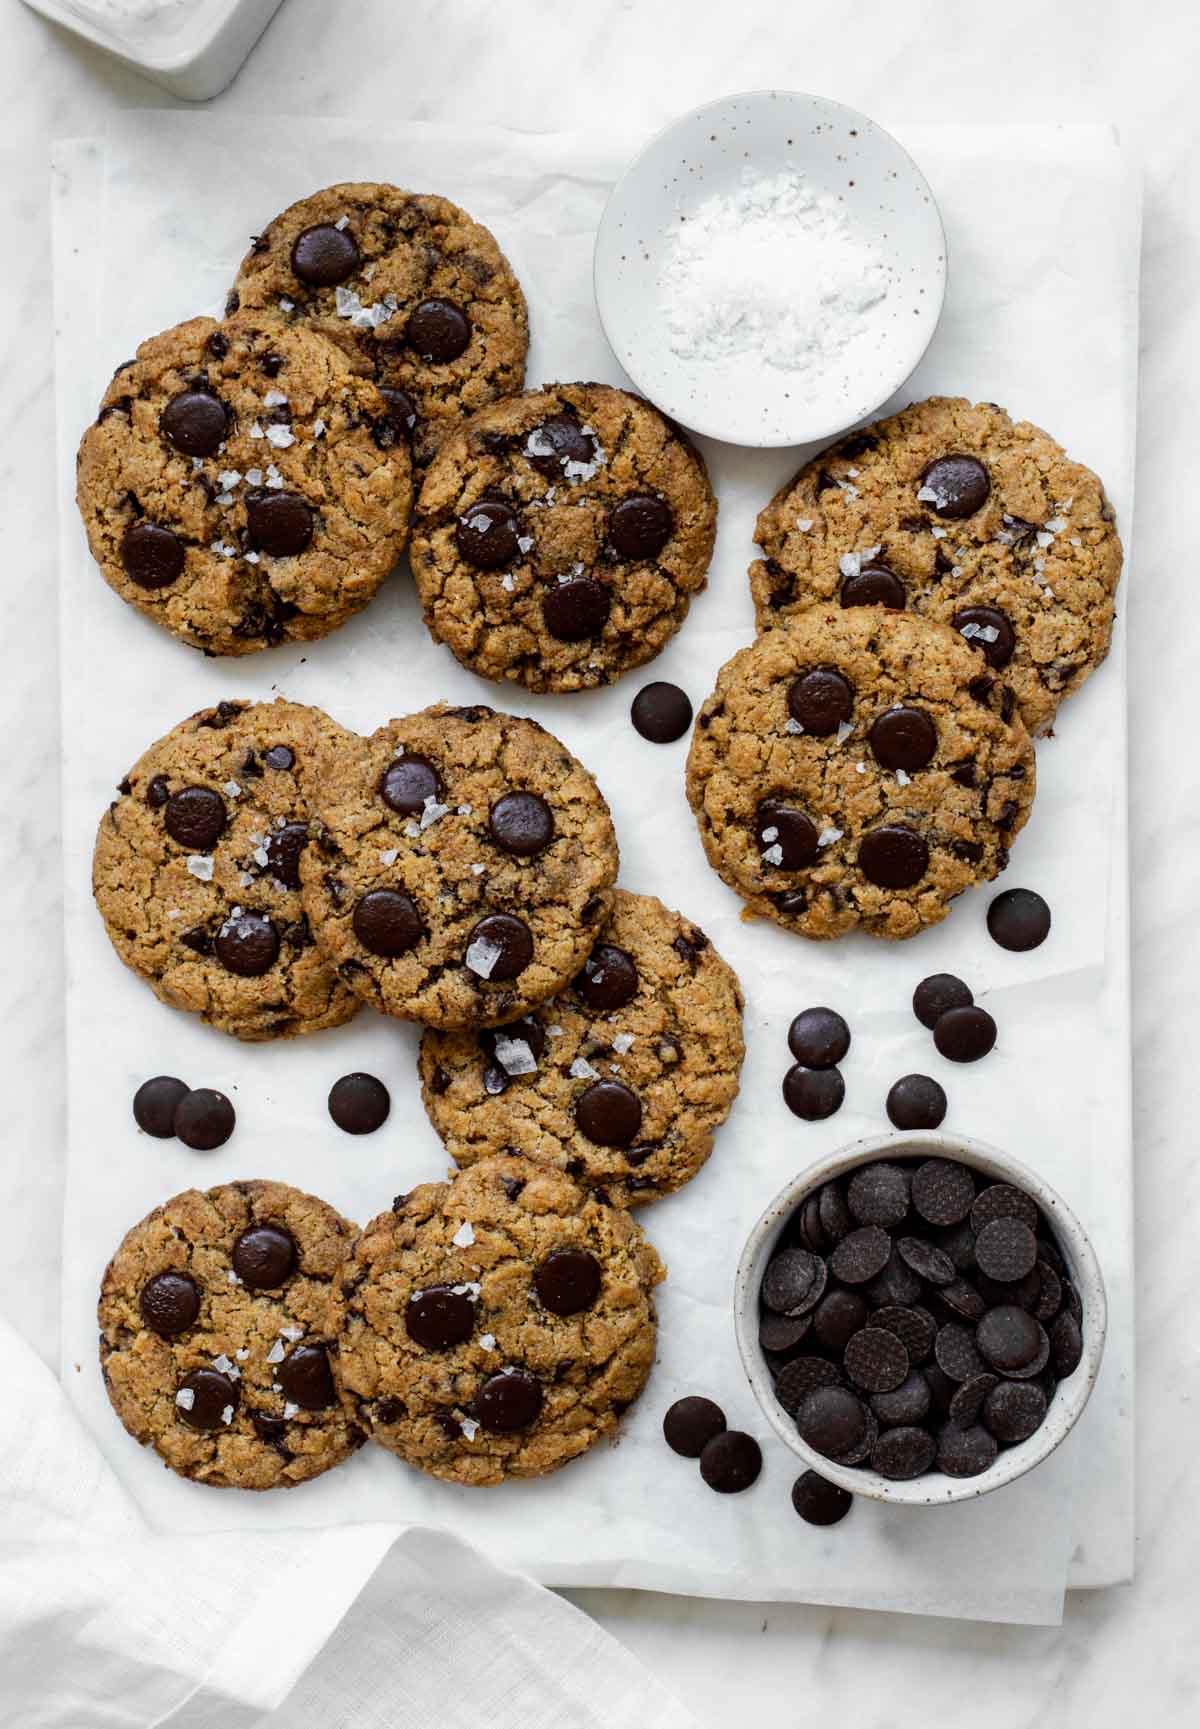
<point>1018,919</point>
<point>861,1255</point>
<point>820,701</point>
<point>509,945</point>
<point>640,526</point>
<point>837,1221</point>
<point>989,630</point>
<point>487,534</point>
<point>278,523</point>
<point>963,1299</point>
<point>813,1094</point>
<point>284,846</point>
<point>195,817</point>
<point>955,1352</point>
<point>1010,1339</point>
<point>264,1256</point>
<point>927,1261</point>
<point>902,1453</point>
<point>158,791</point>
<point>204,1119</point>
<point>836,1319</point>
<point>942,1191</point>
<point>954,486</point>
<point>1006,1250</point>
<point>306,1378</point>
<point>893,856</point>
<point>247,945</point>
<point>195,421</point>
<point>438,331</point>
<point>169,1303</point>
<point>833,1420</point>
<point>408,782</point>
<point>576,610</point>
<point>912,1324</point>
<point>797,1379</point>
<point>402,410</point>
<point>794,1282</point>
<point>691,1423</point>
<point>819,1502</point>
<point>661,712</point>
<point>508,1401</point>
<point>896,1286</point>
<point>779,1335</point>
<point>609,978</point>
<point>874,585</point>
<point>154,1105</point>
<point>731,1462</point>
<point>878,1194</point>
<point>1014,1410</point>
<point>1002,1201</point>
<point>386,922</point>
<point>557,441</point>
<point>794,833</point>
<point>521,823</point>
<point>907,1403</point>
<point>1066,1344</point>
<point>904,738</point>
<point>609,1114</point>
<point>213,1395</point>
<point>937,993</point>
<point>916,1102</point>
<point>280,757</point>
<point>965,1452</point>
<point>568,1281</point>
<point>965,1035</point>
<point>438,1317</point>
<point>876,1360</point>
<point>324,255</point>
<point>819,1038</point>
<point>359,1103</point>
<point>969,1396</point>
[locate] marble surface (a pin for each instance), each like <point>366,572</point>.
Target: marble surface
<point>537,64</point>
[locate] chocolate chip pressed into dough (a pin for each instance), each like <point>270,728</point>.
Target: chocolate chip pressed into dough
<point>675,1041</point>
<point>467,905</point>
<point>519,1388</point>
<point>815,827</point>
<point>408,282</point>
<point>984,523</point>
<point>196,870</point>
<point>266,1350</point>
<point>561,535</point>
<point>241,487</point>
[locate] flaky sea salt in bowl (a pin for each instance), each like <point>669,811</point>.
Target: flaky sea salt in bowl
<point>771,268</point>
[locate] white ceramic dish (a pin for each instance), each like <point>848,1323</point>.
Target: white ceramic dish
<point>839,152</point>
<point>193,48</point>
<point>934,1489</point>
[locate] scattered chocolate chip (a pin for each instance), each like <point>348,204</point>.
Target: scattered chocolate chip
<point>820,701</point>
<point>609,1114</point>
<point>195,422</point>
<point>965,1035</point>
<point>819,1502</point>
<point>661,712</point>
<point>408,782</point>
<point>264,1257</point>
<point>324,255</point>
<point>576,610</point>
<point>169,1303</point>
<point>508,1401</point>
<point>1018,919</point>
<point>731,1462</point>
<point>954,486</point>
<point>155,1103</point>
<point>904,738</point>
<point>487,534</point>
<point>568,1281</point>
<point>212,1395</point>
<point>937,993</point>
<point>916,1102</point>
<point>893,856</point>
<point>359,1103</point>
<point>813,1094</point>
<point>204,1119</point>
<point>640,526</point>
<point>386,922</point>
<point>691,1423</point>
<point>521,823</point>
<point>439,1317</point>
<point>819,1038</point>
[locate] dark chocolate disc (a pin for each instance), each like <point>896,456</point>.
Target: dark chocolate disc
<point>151,555</point>
<point>324,255</point>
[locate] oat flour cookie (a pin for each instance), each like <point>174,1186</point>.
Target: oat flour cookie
<point>561,535</point>
<point>218,1318</point>
<point>858,768</point>
<point>620,1080</point>
<point>959,513</point>
<point>405,280</point>
<point>497,1325</point>
<point>462,865</point>
<point>196,871</point>
<point>242,486</point>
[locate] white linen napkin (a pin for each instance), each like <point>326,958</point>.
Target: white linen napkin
<point>104,1624</point>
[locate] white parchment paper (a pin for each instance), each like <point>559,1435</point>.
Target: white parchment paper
<point>1043,226</point>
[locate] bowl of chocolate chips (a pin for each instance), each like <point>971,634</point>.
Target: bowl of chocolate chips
<point>921,1318</point>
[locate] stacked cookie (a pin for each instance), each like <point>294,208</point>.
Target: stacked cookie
<point>933,586</point>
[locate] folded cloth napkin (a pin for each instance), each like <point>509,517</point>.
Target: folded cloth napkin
<point>105,1624</point>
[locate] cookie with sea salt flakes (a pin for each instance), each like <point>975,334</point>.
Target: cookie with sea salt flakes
<point>241,485</point>
<point>196,870</point>
<point>954,510</point>
<point>462,864</point>
<point>621,1080</point>
<point>497,1325</point>
<point>409,283</point>
<point>219,1316</point>
<point>852,769</point>
<point>561,535</point>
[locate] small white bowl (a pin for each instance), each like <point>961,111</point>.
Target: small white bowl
<point>841,153</point>
<point>934,1489</point>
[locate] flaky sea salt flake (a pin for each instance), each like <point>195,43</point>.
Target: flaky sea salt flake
<point>200,865</point>
<point>185,1398</point>
<point>482,956</point>
<point>515,1056</point>
<point>464,1236</point>
<point>582,1070</point>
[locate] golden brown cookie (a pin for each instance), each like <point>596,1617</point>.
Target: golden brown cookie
<point>242,486</point>
<point>218,1317</point>
<point>561,535</point>
<point>497,1325</point>
<point>858,768</point>
<point>462,865</point>
<point>957,512</point>
<point>409,282</point>
<point>621,1080</point>
<point>196,870</point>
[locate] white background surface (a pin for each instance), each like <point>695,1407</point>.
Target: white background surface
<point>539,66</point>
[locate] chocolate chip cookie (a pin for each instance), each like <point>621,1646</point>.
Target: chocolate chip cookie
<point>621,1080</point>
<point>957,512</point>
<point>462,865</point>
<point>219,1315</point>
<point>497,1325</point>
<point>242,486</point>
<point>196,871</point>
<point>561,535</point>
<point>858,768</point>
<point>405,280</point>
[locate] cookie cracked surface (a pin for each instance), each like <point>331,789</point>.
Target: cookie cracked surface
<point>242,486</point>
<point>462,864</point>
<point>955,511</point>
<point>497,1325</point>
<point>644,1050</point>
<point>409,283</point>
<point>219,1315</point>
<point>196,871</point>
<point>561,535</point>
<point>858,768</point>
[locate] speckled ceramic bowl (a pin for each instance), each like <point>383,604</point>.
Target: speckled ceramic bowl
<point>843,157</point>
<point>934,1489</point>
